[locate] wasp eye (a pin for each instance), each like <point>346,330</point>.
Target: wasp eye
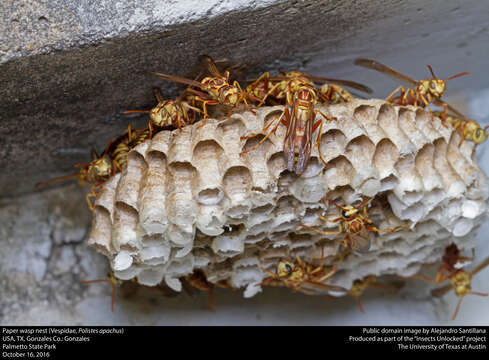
<point>432,84</point>
<point>288,267</point>
<point>344,214</point>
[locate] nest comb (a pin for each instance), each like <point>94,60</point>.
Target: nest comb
<point>187,199</point>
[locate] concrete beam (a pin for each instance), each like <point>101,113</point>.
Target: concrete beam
<point>68,69</point>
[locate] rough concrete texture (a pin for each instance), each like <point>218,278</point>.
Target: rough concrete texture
<point>67,71</point>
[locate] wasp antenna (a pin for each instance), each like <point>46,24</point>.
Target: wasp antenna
<point>43,184</point>
<point>157,94</point>
<point>112,140</point>
<point>458,75</point>
<point>84,282</point>
<point>136,112</point>
<point>94,154</point>
<point>82,164</point>
<point>334,203</point>
<point>364,202</point>
<point>431,71</point>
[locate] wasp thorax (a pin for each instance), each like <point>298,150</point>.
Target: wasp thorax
<point>163,114</point>
<point>461,283</point>
<point>356,225</point>
<point>229,96</point>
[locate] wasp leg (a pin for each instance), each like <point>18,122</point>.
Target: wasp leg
<point>399,228</point>
<point>389,98</point>
<point>263,130</point>
<point>340,230</point>
<point>205,102</point>
<point>320,133</point>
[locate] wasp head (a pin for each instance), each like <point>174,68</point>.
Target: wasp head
<point>101,168</point>
<point>349,212</point>
<point>474,132</point>
<point>434,87</point>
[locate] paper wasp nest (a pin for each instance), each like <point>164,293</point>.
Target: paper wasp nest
<point>187,199</point>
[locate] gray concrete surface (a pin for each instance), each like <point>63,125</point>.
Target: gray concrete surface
<point>69,68</point>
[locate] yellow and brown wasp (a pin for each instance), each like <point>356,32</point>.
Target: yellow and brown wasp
<point>214,89</point>
<point>299,275</point>
<point>355,222</point>
<point>119,148</point>
<point>298,92</point>
<point>96,173</point>
<point>450,263</point>
<point>198,280</point>
<point>276,88</point>
<point>299,117</point>
<point>170,113</point>
<point>370,281</point>
<point>450,269</point>
<point>461,283</point>
<point>422,94</point>
<point>468,129</point>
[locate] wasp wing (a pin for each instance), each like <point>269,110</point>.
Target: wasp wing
<point>449,107</point>
<point>439,292</point>
<point>351,84</point>
<point>210,65</point>
<point>375,65</point>
<point>321,286</point>
<point>178,79</point>
<point>360,241</point>
<point>289,140</point>
<point>392,286</point>
<point>479,267</point>
<point>304,144</point>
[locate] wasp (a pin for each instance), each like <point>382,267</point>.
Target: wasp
<point>370,281</point>
<point>294,274</point>
<point>450,261</point>
<point>461,283</point>
<point>299,118</point>
<point>120,147</point>
<point>96,172</point>
<point>215,89</point>
<point>422,94</point>
<point>357,225</point>
<point>199,281</point>
<point>469,129</point>
<point>298,92</point>
<point>170,113</point>
<point>450,269</point>
<point>276,88</point>
<point>113,281</point>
